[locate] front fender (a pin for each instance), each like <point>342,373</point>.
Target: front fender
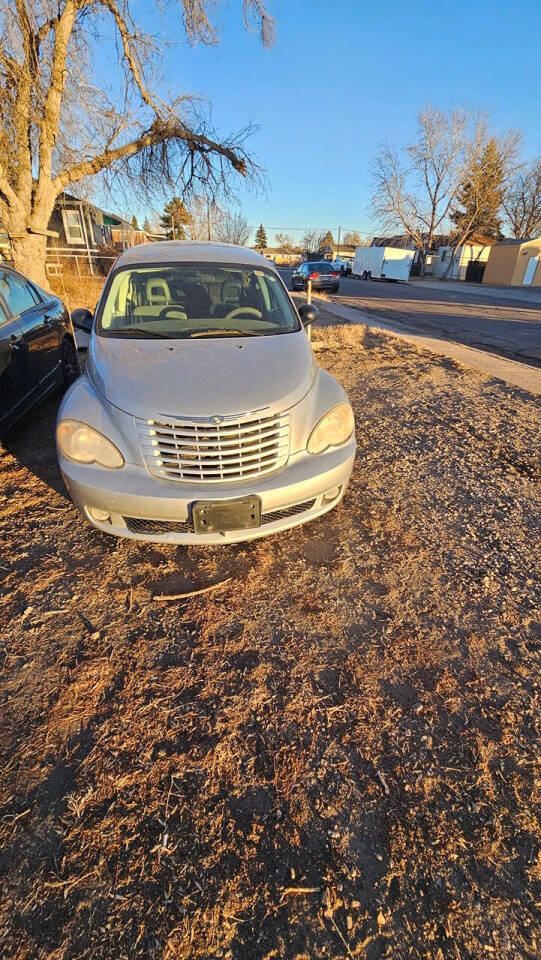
<point>82,402</point>
<point>325,393</point>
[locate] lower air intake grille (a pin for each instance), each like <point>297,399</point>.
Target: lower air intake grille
<point>136,525</point>
<point>287,512</point>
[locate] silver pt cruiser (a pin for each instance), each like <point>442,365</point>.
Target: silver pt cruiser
<point>202,416</point>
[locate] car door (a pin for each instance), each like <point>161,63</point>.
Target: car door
<point>40,327</point>
<point>15,383</point>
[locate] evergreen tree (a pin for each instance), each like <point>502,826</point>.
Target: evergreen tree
<point>261,237</point>
<point>328,240</point>
<point>174,219</point>
<point>134,223</point>
<point>480,198</point>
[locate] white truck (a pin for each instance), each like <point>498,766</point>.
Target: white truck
<point>342,266</point>
<point>382,263</point>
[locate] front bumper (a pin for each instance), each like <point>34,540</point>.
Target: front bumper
<point>142,507</point>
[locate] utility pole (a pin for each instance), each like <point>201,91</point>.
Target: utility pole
<point>172,227</point>
<point>208,219</point>
<point>338,244</point>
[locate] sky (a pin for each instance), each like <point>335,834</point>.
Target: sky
<point>344,76</point>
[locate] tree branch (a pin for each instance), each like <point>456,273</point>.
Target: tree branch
<point>24,76</point>
<point>53,99</point>
<point>160,132</point>
<point>6,190</point>
<point>129,53</point>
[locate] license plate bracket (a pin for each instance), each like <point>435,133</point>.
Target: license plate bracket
<point>220,516</point>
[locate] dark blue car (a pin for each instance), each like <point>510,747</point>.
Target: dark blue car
<point>37,346</point>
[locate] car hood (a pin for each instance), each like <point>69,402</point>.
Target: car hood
<point>202,378</point>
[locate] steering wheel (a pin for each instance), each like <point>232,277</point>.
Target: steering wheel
<point>172,308</point>
<point>238,311</point>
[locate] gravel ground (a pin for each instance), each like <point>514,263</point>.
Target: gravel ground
<point>333,754</point>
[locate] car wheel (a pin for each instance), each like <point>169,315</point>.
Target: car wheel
<point>70,362</point>
<point>335,288</point>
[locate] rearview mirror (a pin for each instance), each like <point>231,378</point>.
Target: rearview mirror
<point>82,319</point>
<point>308,313</point>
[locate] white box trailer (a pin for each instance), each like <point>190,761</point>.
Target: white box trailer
<point>382,263</point>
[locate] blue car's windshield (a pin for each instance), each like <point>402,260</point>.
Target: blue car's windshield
<point>189,301</point>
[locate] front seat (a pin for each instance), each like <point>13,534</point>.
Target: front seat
<point>231,293</point>
<point>158,296</point>
<point>157,292</point>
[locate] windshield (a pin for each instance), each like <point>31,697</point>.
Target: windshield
<point>325,267</point>
<point>186,301</point>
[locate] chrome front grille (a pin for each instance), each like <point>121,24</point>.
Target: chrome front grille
<point>207,451</point>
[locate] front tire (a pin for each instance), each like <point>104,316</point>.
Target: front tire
<point>69,363</point>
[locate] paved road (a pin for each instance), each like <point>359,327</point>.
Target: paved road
<point>510,328</point>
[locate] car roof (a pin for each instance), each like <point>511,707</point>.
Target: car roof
<point>176,251</point>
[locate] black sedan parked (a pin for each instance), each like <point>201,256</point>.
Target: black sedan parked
<point>322,274</point>
<point>37,346</point>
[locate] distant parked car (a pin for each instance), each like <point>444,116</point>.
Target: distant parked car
<point>37,346</point>
<point>322,273</point>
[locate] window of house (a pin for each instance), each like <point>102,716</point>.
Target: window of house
<point>73,226</point>
<point>99,233</point>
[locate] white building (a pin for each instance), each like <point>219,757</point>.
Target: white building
<point>467,264</point>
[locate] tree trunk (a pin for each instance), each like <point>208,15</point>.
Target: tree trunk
<point>28,252</point>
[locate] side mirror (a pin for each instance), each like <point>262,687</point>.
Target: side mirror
<point>308,313</point>
<point>82,319</point>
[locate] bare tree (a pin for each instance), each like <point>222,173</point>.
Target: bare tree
<point>205,215</point>
<point>284,241</point>
<point>312,243</point>
<point>522,202</point>
<point>233,228</point>
<point>414,189</point>
<point>353,238</point>
<point>58,127</point>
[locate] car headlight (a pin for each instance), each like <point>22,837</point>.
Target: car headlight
<point>82,443</point>
<point>333,429</point>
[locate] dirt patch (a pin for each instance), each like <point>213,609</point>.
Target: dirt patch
<point>331,756</point>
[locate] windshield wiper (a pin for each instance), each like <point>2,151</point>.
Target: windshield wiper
<point>140,331</point>
<point>225,333</point>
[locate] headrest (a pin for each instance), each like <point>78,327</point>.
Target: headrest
<point>157,291</point>
<point>231,292</point>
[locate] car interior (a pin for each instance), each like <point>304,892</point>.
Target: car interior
<point>176,299</point>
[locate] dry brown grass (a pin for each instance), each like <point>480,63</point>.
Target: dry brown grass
<point>77,291</point>
<point>331,756</point>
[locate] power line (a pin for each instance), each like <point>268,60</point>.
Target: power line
<point>367,233</point>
